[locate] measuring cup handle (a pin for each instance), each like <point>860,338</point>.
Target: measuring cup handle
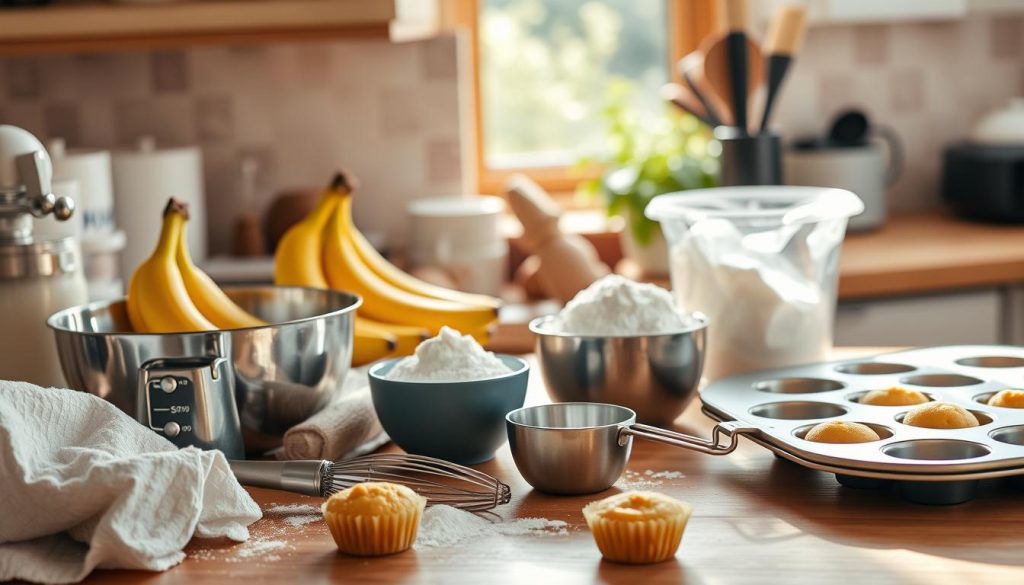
<point>711,446</point>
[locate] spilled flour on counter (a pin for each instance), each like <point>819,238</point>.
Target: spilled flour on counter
<point>296,515</point>
<point>648,479</point>
<point>447,526</point>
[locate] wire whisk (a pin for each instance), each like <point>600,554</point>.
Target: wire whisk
<point>441,482</point>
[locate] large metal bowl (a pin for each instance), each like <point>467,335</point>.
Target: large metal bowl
<point>656,376</point>
<point>282,373</point>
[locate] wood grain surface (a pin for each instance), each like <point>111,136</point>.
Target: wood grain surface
<point>757,519</point>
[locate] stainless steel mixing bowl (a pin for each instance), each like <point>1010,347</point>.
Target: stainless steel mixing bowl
<point>654,375</point>
<point>279,374</point>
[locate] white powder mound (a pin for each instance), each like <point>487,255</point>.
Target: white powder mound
<point>449,357</point>
<point>615,305</point>
<point>447,526</point>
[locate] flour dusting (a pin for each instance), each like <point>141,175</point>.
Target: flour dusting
<point>447,526</point>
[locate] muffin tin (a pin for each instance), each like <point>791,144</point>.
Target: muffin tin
<point>935,466</point>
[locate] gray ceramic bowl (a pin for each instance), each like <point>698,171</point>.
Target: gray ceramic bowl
<point>462,422</point>
<point>654,375</point>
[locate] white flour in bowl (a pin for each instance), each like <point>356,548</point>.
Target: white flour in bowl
<point>446,526</point>
<point>615,305</point>
<point>449,357</point>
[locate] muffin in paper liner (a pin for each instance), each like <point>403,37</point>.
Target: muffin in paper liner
<point>637,527</point>
<point>374,518</point>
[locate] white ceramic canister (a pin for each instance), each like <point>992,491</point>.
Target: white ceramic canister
<point>144,179</point>
<point>91,170</point>
<point>461,235</point>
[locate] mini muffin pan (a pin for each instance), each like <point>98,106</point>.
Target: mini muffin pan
<point>937,466</point>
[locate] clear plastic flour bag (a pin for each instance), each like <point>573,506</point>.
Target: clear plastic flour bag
<point>762,263</point>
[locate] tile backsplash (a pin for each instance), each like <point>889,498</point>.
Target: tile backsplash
<point>388,112</point>
<point>928,81</point>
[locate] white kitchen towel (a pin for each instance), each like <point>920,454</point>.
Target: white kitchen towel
<point>85,486</point>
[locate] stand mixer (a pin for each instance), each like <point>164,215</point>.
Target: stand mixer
<point>38,276</point>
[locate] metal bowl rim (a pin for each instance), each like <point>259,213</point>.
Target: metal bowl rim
<point>702,322</point>
<point>357,302</point>
<point>631,419</point>
<point>524,366</point>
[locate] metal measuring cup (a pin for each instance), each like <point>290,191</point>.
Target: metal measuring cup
<point>573,448</point>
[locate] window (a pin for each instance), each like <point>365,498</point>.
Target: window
<point>542,71</point>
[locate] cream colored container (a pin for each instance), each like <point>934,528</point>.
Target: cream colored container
<point>144,179</point>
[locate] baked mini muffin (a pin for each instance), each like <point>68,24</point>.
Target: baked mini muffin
<point>637,527</point>
<point>895,396</point>
<point>837,431</point>
<point>940,415</point>
<point>370,519</point>
<point>1008,398</point>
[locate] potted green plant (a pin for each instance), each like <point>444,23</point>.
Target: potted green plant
<point>648,156</point>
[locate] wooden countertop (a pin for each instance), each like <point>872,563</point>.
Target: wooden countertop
<point>757,519</point>
<point>931,252</point>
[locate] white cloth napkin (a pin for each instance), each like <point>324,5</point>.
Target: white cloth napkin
<point>84,486</point>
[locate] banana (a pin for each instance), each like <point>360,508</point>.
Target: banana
<point>406,337</point>
<point>398,278</point>
<point>383,301</point>
<point>370,345</point>
<point>207,296</point>
<point>134,314</point>
<point>157,293</point>
<point>298,260</point>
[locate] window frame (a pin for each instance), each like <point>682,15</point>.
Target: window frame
<point>688,23</point>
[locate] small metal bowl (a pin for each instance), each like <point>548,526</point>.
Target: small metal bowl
<point>462,422</point>
<point>656,376</point>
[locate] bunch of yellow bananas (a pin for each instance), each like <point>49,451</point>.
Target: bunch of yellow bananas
<point>169,294</point>
<point>325,250</point>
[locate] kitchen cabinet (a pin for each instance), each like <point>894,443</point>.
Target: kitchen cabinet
<point>99,25</point>
<point>974,317</point>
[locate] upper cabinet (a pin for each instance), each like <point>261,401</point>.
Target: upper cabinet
<point>101,25</point>
<point>882,11</point>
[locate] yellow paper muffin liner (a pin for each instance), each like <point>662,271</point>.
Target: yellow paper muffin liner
<point>639,542</point>
<point>368,536</point>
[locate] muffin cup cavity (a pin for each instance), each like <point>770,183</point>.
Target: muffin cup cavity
<point>797,410</point>
<point>874,368</point>
<point>798,385</point>
<point>936,450</point>
<point>1010,435</point>
<point>941,380</point>
<point>991,361</point>
<point>856,397</point>
<point>983,419</point>
<point>883,432</point>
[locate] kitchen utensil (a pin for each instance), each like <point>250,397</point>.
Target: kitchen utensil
<point>462,236</point>
<point>784,39</point>
<point>247,237</point>
<point>684,99</point>
<point>195,388</point>
<point>855,155</point>
<point>574,448</point>
<point>656,376</point>
<point>749,160</point>
<point>568,263</point>
<point>38,275</point>
<point>441,482</point>
<point>982,176</point>
<point>762,264</point>
<point>691,69</point>
<point>933,466</point>
<point>733,62</point>
<point>458,421</point>
<point>144,179</point>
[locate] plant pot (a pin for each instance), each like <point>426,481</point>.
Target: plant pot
<point>652,257</point>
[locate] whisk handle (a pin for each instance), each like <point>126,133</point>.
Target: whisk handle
<point>300,477</point>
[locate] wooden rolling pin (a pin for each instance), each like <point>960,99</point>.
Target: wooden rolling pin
<point>567,263</point>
